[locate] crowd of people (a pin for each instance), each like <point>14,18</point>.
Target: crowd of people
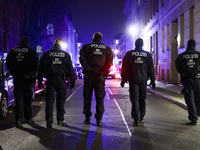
<point>96,59</point>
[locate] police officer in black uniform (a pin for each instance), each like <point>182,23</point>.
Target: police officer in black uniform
<point>96,59</point>
<point>137,68</point>
<point>54,65</point>
<point>22,62</point>
<point>188,66</point>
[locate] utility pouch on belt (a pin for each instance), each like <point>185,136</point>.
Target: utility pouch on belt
<point>197,76</point>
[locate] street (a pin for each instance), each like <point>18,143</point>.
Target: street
<point>163,127</point>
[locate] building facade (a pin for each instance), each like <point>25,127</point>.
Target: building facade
<point>165,26</point>
<point>40,22</point>
<point>11,20</point>
<point>59,25</point>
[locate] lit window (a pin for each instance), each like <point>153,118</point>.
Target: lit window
<point>117,42</point>
<point>50,29</point>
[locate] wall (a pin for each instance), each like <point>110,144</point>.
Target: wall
<point>166,27</point>
<point>11,19</point>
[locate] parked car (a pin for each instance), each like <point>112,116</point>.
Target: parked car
<point>7,87</point>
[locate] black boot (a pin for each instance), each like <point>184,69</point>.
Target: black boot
<point>19,123</point>
<point>62,123</point>
<point>99,122</point>
<point>189,122</point>
<point>135,123</point>
<point>87,120</point>
<point>49,123</point>
<point>30,121</point>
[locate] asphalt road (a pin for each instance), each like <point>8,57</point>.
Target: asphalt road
<point>163,127</point>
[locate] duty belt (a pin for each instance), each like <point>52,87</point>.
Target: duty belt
<point>197,76</point>
<point>194,76</point>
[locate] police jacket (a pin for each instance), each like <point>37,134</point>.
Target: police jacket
<point>56,62</point>
<point>188,62</point>
<point>22,60</point>
<point>137,65</point>
<point>96,57</point>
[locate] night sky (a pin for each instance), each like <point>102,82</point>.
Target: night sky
<point>105,16</point>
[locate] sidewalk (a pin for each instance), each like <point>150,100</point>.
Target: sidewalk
<point>170,92</point>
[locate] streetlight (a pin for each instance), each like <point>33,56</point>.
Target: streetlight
<point>64,45</point>
<point>133,30</point>
<point>116,58</point>
<point>117,42</point>
<point>116,52</point>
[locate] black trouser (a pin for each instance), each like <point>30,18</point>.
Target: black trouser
<point>192,97</point>
<point>138,92</point>
<point>23,93</point>
<point>55,85</point>
<point>96,82</point>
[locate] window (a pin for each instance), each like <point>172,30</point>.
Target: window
<point>50,29</point>
<point>191,17</point>
<point>163,40</point>
<point>162,3</point>
<point>163,74</point>
<point>138,2</point>
<point>150,9</point>
<point>181,38</point>
<point>168,76</point>
<point>168,39</point>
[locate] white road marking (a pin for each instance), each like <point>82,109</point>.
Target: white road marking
<point>74,92</point>
<point>122,115</point>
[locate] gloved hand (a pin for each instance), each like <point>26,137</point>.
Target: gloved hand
<point>72,85</point>
<point>40,86</point>
<point>153,84</point>
<point>122,83</point>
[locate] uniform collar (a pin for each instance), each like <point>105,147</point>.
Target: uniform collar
<point>190,48</point>
<point>57,46</point>
<point>96,41</point>
<point>138,49</point>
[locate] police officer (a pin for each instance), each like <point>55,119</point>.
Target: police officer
<point>96,59</point>
<point>53,66</point>
<point>137,68</point>
<point>22,62</point>
<point>188,66</point>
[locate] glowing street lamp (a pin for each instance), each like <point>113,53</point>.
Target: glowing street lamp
<point>116,51</point>
<point>117,42</point>
<point>133,30</point>
<point>79,44</point>
<point>64,45</point>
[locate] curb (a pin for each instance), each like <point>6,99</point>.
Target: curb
<point>169,99</point>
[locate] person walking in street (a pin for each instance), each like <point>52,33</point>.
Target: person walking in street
<point>54,65</point>
<point>96,59</point>
<point>22,62</point>
<point>188,66</point>
<point>137,68</point>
